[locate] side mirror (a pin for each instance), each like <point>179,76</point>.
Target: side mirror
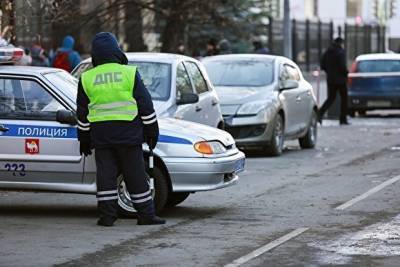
<point>66,117</point>
<point>187,98</point>
<point>289,84</point>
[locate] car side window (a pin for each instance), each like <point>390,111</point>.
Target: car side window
<point>197,78</point>
<point>26,99</point>
<point>293,72</point>
<point>183,84</point>
<point>285,75</point>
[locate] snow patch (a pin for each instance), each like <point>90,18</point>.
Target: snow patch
<point>381,239</point>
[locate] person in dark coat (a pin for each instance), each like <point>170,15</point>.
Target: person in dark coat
<point>333,62</point>
<point>115,116</point>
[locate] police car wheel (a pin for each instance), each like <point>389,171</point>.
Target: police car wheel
<point>175,199</point>
<point>160,192</point>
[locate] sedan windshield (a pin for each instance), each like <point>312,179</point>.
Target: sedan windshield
<point>156,77</point>
<point>378,66</point>
<point>66,83</point>
<point>247,73</point>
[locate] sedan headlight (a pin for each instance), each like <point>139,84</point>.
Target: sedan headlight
<point>251,108</point>
<point>209,147</point>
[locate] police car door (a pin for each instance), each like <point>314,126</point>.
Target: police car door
<point>34,148</point>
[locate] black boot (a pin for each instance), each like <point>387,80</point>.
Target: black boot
<point>106,221</point>
<point>142,220</point>
<point>107,212</point>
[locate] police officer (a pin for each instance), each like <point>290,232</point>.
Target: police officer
<point>115,115</point>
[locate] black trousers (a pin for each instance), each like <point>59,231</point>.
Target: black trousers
<point>332,91</point>
<point>128,161</point>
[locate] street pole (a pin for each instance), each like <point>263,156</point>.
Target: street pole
<point>287,27</point>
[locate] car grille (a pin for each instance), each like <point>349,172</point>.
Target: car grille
<point>239,132</point>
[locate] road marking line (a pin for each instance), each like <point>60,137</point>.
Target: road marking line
<point>368,193</point>
<point>267,247</point>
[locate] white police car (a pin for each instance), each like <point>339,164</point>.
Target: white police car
<point>39,148</point>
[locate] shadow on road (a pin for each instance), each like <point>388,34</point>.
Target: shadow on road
<point>48,211</point>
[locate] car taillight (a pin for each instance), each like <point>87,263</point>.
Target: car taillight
<point>353,69</point>
<point>17,54</point>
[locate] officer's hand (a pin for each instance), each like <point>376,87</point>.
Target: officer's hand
<point>85,148</point>
<point>151,133</point>
<point>151,141</point>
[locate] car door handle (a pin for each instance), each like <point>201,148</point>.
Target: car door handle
<point>3,128</point>
<point>298,99</point>
<point>214,102</point>
<point>198,108</point>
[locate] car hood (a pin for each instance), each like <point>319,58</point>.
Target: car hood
<point>193,132</point>
<point>232,95</point>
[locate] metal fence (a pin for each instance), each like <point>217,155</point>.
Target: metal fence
<point>311,38</point>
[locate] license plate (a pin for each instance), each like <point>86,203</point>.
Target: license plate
<point>381,104</point>
<point>239,166</point>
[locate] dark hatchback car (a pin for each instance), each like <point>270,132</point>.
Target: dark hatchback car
<point>374,83</point>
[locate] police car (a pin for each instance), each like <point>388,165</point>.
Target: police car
<point>39,149</point>
<point>9,53</point>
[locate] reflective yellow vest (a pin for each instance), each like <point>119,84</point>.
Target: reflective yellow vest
<point>110,91</point>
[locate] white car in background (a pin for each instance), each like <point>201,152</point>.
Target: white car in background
<point>179,86</point>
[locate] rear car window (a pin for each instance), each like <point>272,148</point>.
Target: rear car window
<point>378,66</point>
<point>240,72</point>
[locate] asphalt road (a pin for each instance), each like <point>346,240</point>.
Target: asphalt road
<point>287,211</point>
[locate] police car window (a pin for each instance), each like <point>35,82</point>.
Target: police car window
<point>26,99</point>
<point>197,78</point>
<point>183,84</point>
<point>65,82</point>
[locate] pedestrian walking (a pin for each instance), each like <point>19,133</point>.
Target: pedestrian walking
<point>66,57</point>
<point>333,62</point>
<point>115,116</point>
<point>38,54</point>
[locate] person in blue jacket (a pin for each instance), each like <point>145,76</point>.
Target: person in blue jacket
<point>115,117</point>
<point>66,57</point>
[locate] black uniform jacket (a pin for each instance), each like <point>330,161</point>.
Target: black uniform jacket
<point>333,62</point>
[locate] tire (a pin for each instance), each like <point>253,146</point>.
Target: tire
<point>221,125</point>
<point>310,139</point>
<point>160,194</point>
<point>175,199</point>
<point>276,144</point>
<point>362,112</point>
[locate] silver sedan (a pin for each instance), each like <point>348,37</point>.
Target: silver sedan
<point>264,100</point>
